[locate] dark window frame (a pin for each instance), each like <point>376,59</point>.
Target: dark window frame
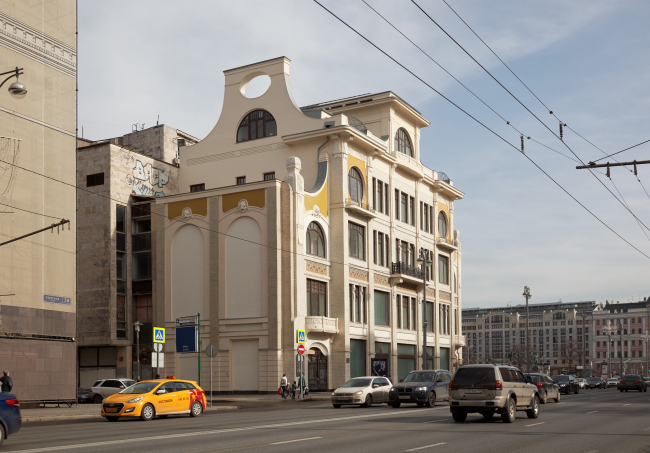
<point>96,179</point>
<point>197,187</point>
<point>316,288</point>
<point>443,224</point>
<point>255,122</point>
<point>356,242</point>
<point>240,180</point>
<point>403,142</point>
<point>316,229</point>
<point>270,176</point>
<point>355,185</point>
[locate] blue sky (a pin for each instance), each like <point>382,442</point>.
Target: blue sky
<point>586,60</point>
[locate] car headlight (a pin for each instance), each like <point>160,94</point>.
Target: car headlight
<point>421,389</point>
<point>394,389</point>
<point>333,393</point>
<point>359,393</point>
<point>135,400</point>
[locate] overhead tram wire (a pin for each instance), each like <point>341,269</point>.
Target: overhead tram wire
<point>537,97</point>
<point>618,152</point>
<point>527,109</point>
<point>509,123</point>
<point>479,122</point>
<point>619,192</point>
<point>31,212</point>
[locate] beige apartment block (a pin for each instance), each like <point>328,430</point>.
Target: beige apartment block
<point>560,336</point>
<point>310,219</point>
<point>37,159</point>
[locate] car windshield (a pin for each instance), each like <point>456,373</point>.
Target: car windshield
<point>593,379</point>
<point>143,387</point>
<point>419,377</point>
<point>128,382</point>
<point>474,376</point>
<point>561,378</point>
<point>357,383</point>
<point>631,377</point>
<point>535,378</point>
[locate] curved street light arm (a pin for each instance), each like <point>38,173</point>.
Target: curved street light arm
<point>14,73</point>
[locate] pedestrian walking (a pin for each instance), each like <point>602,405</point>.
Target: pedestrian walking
<point>293,390</point>
<point>7,383</point>
<point>284,383</point>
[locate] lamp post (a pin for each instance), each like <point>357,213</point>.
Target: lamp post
<point>527,295</point>
<point>424,262</point>
<point>609,330</point>
<point>620,333</point>
<point>646,338</point>
<point>584,314</point>
<point>16,89</point>
<point>137,325</point>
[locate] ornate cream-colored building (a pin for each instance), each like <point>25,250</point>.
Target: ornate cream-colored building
<point>309,218</point>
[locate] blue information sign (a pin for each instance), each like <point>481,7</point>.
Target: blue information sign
<point>56,299</point>
<point>186,339</point>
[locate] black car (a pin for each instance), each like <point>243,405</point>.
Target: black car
<point>83,396</point>
<point>632,382</point>
<point>596,383</point>
<point>423,388</point>
<point>567,384</point>
<point>546,386</point>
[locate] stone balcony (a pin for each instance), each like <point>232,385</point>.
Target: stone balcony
<point>450,244</point>
<point>321,324</point>
<point>460,340</point>
<point>360,208</point>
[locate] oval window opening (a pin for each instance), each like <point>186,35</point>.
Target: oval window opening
<point>257,87</point>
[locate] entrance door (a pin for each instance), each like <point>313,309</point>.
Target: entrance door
<point>317,370</point>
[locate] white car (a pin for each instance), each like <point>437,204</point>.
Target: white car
<point>362,391</point>
<point>582,383</point>
<point>106,387</point>
<point>612,382</point>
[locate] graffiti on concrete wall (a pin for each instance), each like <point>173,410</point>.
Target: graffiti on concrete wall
<point>147,180</point>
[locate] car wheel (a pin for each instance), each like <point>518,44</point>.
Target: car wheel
<point>112,419</point>
<point>545,398</point>
<point>577,390</point>
<point>534,412</point>
<point>395,405</point>
<point>509,415</point>
<point>97,399</point>
<point>431,401</point>
<point>459,416</point>
<point>148,412</point>
<point>368,402</point>
<point>557,398</point>
<point>487,415</point>
<point>336,406</point>
<point>621,390</point>
<point>625,390</point>
<point>197,409</point>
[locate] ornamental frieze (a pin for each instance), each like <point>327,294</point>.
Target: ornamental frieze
<point>444,295</point>
<point>381,280</point>
<point>358,274</point>
<point>316,268</point>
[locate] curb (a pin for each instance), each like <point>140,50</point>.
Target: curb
<point>86,417</point>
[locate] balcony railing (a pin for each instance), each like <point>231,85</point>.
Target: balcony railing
<point>406,269</point>
<point>321,324</point>
<point>360,207</point>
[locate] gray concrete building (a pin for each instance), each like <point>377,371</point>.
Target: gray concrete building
<point>117,180</point>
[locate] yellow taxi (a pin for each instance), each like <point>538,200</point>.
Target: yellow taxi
<point>161,397</point>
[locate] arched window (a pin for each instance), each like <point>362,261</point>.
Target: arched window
<point>257,124</point>
<point>355,185</point>
<point>442,225</point>
<point>403,142</point>
<point>315,240</point>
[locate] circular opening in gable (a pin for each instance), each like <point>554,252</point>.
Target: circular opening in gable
<point>256,87</point>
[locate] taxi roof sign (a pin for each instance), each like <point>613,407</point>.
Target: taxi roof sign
<point>158,334</point>
<point>301,337</point>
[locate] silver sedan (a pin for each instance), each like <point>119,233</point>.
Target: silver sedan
<point>362,391</point>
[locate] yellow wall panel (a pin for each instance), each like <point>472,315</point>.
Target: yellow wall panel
<point>199,206</point>
<point>255,198</point>
<point>320,199</point>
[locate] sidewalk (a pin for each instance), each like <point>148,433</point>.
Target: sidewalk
<point>80,412</point>
<point>268,398</point>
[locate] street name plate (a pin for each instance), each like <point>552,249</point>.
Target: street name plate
<point>186,321</point>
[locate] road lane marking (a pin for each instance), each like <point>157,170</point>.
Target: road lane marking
<point>204,433</point>
<point>295,440</point>
<point>427,446</point>
<point>535,424</point>
<point>592,412</point>
<point>592,451</point>
<point>628,404</point>
<point>647,429</point>
<point>435,421</point>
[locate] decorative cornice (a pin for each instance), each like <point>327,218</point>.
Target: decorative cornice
<point>358,274</point>
<point>316,268</point>
<point>444,295</point>
<point>407,287</point>
<point>38,46</point>
<point>381,280</point>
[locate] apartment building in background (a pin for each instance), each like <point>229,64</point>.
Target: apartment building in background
<point>560,336</point>
<point>37,149</point>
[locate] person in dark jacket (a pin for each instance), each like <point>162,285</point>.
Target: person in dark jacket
<point>7,383</point>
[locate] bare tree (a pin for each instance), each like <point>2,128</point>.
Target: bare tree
<point>469,354</point>
<point>572,353</point>
<point>519,356</point>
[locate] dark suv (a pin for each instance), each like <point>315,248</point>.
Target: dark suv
<point>632,382</point>
<point>567,384</point>
<point>423,388</point>
<point>489,390</point>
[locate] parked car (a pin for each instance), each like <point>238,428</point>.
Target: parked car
<point>10,418</point>
<point>596,383</point>
<point>545,385</point>
<point>632,382</point>
<point>363,391</point>
<point>423,388</point>
<point>491,389</point>
<point>161,397</point>
<point>83,396</point>
<point>567,385</point>
<point>612,382</point>
<point>646,378</point>
<point>582,383</point>
<point>107,387</point>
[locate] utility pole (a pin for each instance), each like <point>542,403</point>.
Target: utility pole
<point>609,330</point>
<point>584,340</point>
<point>616,164</point>
<point>620,333</point>
<point>424,262</point>
<point>137,325</point>
<point>51,228</point>
<point>646,338</point>
<point>527,295</point>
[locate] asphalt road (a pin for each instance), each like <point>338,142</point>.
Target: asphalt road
<point>592,421</point>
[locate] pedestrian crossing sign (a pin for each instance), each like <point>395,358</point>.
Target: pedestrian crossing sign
<point>158,334</point>
<point>301,338</point>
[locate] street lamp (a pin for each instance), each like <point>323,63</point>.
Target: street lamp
<point>620,333</point>
<point>584,314</point>
<point>137,325</point>
<point>646,338</point>
<point>16,89</point>
<point>424,262</point>
<point>527,295</point>
<point>609,330</point>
